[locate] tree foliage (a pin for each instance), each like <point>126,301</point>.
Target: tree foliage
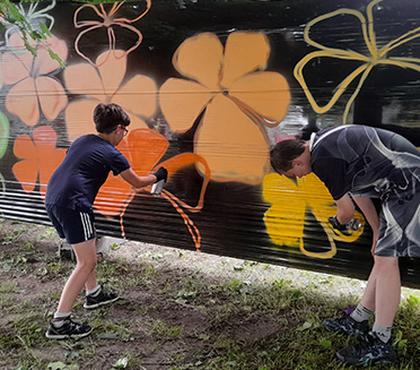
<point>11,15</point>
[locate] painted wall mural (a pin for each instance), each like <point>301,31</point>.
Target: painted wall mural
<point>210,87</point>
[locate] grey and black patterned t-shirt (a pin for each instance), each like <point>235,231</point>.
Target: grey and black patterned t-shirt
<point>364,161</point>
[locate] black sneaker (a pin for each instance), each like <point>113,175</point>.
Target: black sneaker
<point>347,325</point>
<point>102,298</point>
<point>370,351</point>
<point>69,329</point>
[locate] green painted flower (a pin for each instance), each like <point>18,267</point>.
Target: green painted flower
<point>4,134</point>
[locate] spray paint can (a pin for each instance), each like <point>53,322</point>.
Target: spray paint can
<point>157,188</point>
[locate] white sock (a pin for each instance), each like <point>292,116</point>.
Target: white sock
<point>94,292</point>
<point>382,332</point>
<point>361,313</point>
<point>59,318</point>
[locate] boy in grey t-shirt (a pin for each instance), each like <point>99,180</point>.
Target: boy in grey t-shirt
<point>357,163</point>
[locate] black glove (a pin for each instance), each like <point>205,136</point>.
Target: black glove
<point>161,174</point>
<point>336,224</point>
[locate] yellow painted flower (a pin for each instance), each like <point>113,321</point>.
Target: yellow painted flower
<point>377,56</point>
<point>285,220</point>
<point>237,98</point>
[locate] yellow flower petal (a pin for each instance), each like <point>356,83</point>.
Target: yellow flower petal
<point>181,102</point>
<point>200,58</point>
<point>139,95</point>
<point>285,225</point>
<point>267,93</point>
<point>234,147</point>
<point>245,52</point>
<point>285,219</point>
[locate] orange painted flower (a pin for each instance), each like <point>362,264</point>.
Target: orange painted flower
<point>39,157</point>
<point>33,90</point>
<point>102,83</point>
<point>109,21</point>
<point>239,98</point>
<point>144,148</point>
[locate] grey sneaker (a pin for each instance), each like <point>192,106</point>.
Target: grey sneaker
<point>347,325</point>
<point>103,298</point>
<point>69,329</point>
<point>370,351</point>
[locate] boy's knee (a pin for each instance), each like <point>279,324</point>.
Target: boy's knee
<point>89,265</point>
<point>386,262</point>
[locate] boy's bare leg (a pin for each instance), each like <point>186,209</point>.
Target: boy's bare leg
<point>91,282</point>
<point>388,290</point>
<point>369,295</point>
<point>86,262</point>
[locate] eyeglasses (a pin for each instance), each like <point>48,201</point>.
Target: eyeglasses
<point>125,130</point>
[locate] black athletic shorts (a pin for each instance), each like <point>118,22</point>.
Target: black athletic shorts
<point>76,226</point>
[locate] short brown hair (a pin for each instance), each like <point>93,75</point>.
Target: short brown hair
<point>108,116</point>
<point>284,152</point>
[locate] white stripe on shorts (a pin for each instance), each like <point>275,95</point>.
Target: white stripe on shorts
<point>89,224</point>
<point>84,225</point>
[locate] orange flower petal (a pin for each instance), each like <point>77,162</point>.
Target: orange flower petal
<point>79,118</point>
<point>43,63</point>
<point>146,148</point>
<point>138,95</point>
<point>245,52</point>
<point>112,65</point>
<point>26,172</point>
<point>113,196</point>
<point>44,136</point>
<point>84,79</point>
<point>52,97</point>
<point>182,101</point>
<point>200,58</point>
<point>23,147</point>
<point>234,147</point>
<point>48,155</point>
<point>266,93</point>
<point>180,161</point>
<point>22,101</point>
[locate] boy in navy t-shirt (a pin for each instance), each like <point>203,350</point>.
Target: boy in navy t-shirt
<point>357,163</point>
<point>71,193</point>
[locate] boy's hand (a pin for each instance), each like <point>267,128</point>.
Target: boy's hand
<point>161,174</point>
<point>337,225</point>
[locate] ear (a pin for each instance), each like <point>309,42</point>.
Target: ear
<point>297,162</point>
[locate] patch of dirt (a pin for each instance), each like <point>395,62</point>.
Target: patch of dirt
<point>176,304</point>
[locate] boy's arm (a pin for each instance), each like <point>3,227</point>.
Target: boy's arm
<point>136,181</point>
<point>345,209</point>
<point>369,211</point>
<point>139,182</point>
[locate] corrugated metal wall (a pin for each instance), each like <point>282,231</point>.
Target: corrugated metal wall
<point>210,86</point>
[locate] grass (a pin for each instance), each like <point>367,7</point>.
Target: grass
<point>175,320</point>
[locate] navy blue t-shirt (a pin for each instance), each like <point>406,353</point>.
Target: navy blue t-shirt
<point>77,180</point>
